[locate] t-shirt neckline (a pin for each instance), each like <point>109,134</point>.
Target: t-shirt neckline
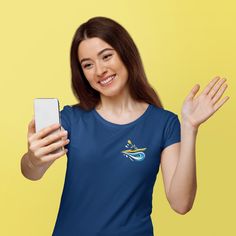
<point>109,123</point>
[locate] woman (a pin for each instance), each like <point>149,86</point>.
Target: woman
<point>119,134</point>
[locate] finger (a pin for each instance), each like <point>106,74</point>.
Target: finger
<point>52,138</point>
<point>210,85</point>
<point>31,127</point>
<point>219,94</point>
<point>215,89</point>
<point>220,104</point>
<point>193,91</point>
<point>66,136</point>
<point>46,131</point>
<point>54,146</point>
<point>53,157</point>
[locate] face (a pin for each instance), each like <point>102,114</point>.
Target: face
<point>102,66</point>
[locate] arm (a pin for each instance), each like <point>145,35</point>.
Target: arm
<point>178,163</point>
<point>31,172</point>
<point>39,158</point>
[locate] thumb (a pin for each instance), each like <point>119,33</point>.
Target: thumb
<point>31,127</point>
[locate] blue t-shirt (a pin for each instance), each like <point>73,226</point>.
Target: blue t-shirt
<point>111,171</point>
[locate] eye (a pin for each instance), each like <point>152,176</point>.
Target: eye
<point>87,65</point>
<point>106,56</point>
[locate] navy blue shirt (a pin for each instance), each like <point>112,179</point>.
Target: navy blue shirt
<point>111,171</point>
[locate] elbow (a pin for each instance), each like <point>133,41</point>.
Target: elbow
<point>182,210</point>
<point>184,206</point>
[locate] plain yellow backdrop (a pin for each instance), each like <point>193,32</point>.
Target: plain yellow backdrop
<point>181,43</point>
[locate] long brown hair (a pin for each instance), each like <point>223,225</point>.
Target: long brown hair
<point>116,35</point>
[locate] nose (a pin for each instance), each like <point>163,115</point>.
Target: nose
<point>100,69</point>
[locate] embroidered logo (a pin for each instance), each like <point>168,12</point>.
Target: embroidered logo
<point>134,153</point>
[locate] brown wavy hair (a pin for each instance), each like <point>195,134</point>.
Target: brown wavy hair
<point>116,35</point>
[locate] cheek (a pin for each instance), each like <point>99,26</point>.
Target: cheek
<point>88,76</point>
<point>123,72</point>
<point>120,67</point>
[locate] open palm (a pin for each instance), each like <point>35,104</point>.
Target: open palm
<point>197,110</point>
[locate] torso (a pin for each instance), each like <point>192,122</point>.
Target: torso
<point>125,118</point>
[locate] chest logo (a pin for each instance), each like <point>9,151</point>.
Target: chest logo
<point>134,153</point>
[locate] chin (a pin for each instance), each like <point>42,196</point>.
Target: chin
<point>110,93</point>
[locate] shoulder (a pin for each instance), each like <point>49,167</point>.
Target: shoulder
<point>70,114</point>
<point>164,114</point>
<point>72,110</point>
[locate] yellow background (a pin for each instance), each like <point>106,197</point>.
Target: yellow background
<point>181,43</point>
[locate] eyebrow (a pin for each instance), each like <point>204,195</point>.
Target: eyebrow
<point>99,53</point>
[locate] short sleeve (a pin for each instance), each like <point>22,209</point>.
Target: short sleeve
<point>65,117</point>
<point>172,132</point>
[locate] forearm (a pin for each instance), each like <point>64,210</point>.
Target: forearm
<point>29,171</point>
<point>184,181</point>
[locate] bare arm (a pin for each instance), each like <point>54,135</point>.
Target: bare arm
<point>179,171</point>
<point>184,182</point>
<point>41,147</point>
<point>179,163</point>
<point>30,171</point>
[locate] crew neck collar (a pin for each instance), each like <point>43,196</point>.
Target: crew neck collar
<point>109,123</point>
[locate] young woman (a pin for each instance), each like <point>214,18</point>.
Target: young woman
<point>117,136</point>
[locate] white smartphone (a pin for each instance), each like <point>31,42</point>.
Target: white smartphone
<point>46,113</point>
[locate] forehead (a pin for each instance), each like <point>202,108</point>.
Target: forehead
<point>90,47</point>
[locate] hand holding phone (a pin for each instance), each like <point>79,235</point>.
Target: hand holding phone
<point>46,137</point>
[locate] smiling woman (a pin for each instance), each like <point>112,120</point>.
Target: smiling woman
<point>119,134</point>
<point>103,67</point>
<point>101,48</point>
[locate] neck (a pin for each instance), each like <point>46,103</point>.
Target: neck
<point>118,104</point>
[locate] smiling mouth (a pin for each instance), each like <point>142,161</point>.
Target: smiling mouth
<point>107,81</point>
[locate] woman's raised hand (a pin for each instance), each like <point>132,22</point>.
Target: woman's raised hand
<point>197,109</point>
<point>43,143</point>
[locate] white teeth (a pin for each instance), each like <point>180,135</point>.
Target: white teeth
<point>107,80</point>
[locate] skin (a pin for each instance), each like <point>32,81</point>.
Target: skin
<point>116,103</point>
<point>178,161</point>
<point>38,158</point>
